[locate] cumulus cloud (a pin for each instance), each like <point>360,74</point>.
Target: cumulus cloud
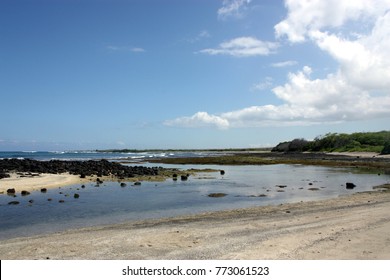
<point>232,8</point>
<point>306,16</point>
<point>358,90</point>
<point>305,102</point>
<point>243,47</point>
<point>200,119</point>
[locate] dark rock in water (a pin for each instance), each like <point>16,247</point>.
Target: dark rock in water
<point>174,175</point>
<point>217,195</point>
<point>49,199</point>
<point>76,195</point>
<point>43,190</point>
<point>313,189</point>
<point>31,201</point>
<point>350,186</point>
<point>222,172</point>
<point>61,201</point>
<point>137,184</point>
<point>4,175</point>
<point>123,185</point>
<point>174,178</point>
<point>11,191</point>
<point>13,202</point>
<point>282,186</point>
<point>24,193</point>
<point>83,186</point>
<point>184,177</point>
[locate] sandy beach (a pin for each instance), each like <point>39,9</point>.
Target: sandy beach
<point>348,227</point>
<point>23,182</point>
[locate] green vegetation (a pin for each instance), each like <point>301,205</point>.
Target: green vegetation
<point>378,142</point>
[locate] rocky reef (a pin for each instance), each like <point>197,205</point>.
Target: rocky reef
<point>82,168</point>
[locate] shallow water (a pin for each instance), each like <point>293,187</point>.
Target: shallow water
<point>110,203</point>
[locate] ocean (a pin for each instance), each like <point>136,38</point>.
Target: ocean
<point>96,155</point>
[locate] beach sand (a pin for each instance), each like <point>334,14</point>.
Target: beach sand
<point>349,227</point>
<point>43,180</point>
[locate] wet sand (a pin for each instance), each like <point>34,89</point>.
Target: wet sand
<point>349,227</point>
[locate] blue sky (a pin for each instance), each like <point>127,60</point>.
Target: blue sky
<point>92,74</point>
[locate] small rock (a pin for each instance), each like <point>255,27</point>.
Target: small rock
<point>13,202</point>
<point>24,193</point>
<point>43,190</point>
<point>184,177</point>
<point>11,191</point>
<point>217,195</point>
<point>222,172</point>
<point>76,195</point>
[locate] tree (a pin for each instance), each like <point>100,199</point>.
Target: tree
<point>386,148</point>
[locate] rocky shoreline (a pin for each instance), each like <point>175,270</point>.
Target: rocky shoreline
<point>100,168</point>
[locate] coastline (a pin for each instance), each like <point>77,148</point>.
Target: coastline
<point>348,227</point>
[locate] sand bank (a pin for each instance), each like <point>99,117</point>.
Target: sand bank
<point>360,154</point>
<point>349,227</point>
<point>31,183</point>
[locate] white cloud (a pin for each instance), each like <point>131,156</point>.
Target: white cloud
<point>125,49</point>
<point>243,47</point>
<point>284,63</point>
<point>306,16</point>
<point>305,102</point>
<point>265,84</point>
<point>232,8</point>
<point>358,90</point>
<point>204,34</point>
<point>200,119</point>
<point>137,49</point>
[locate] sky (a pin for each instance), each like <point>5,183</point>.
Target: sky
<point>170,74</point>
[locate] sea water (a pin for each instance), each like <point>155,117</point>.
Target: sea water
<point>97,155</point>
<point>110,203</point>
